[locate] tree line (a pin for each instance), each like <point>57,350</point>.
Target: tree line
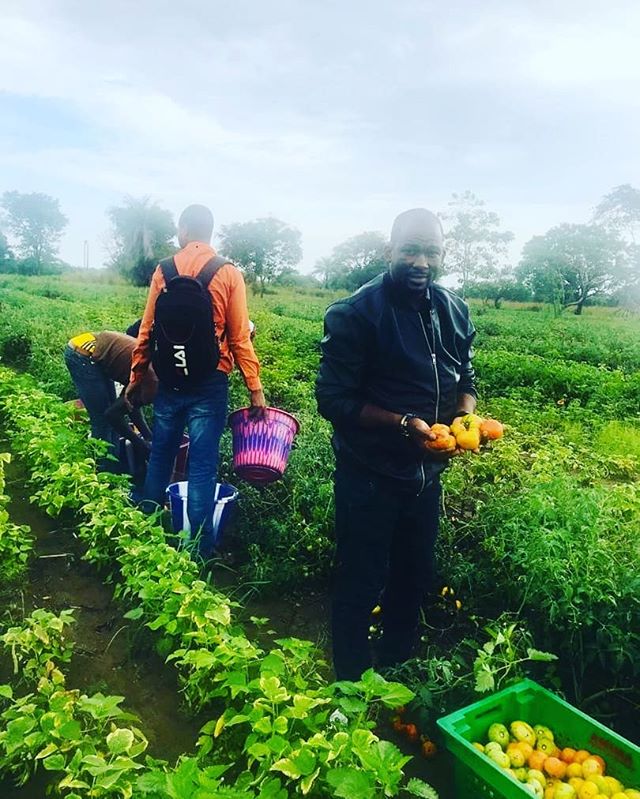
<point>569,266</point>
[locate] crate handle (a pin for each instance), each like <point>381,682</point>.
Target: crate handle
<point>487,710</point>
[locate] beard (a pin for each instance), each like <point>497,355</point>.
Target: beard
<point>412,279</point>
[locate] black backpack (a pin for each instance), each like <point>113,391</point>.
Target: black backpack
<point>185,349</point>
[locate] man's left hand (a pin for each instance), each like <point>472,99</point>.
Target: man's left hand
<point>258,405</point>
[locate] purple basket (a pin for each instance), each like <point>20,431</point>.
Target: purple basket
<point>261,448</point>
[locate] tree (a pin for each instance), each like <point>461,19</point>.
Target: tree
<point>354,262</point>
<point>475,246</point>
<point>503,286</point>
<point>262,248</point>
<point>571,264</point>
<point>7,263</point>
<point>37,223</point>
<point>142,234</point>
<point>619,213</point>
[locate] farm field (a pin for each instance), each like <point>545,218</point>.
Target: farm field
<point>539,546</point>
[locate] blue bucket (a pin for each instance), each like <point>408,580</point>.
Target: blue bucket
<point>225,498</point>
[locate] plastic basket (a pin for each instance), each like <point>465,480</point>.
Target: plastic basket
<point>477,776</point>
<point>261,448</point>
<point>225,498</point>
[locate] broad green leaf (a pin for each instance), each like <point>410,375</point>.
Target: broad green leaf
<point>119,741</point>
<point>484,681</point>
<point>287,767</point>
<point>54,762</point>
<point>351,783</point>
<point>6,691</point>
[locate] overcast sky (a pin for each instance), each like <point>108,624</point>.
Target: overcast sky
<point>333,116</point>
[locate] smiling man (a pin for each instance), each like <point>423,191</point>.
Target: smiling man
<point>396,359</point>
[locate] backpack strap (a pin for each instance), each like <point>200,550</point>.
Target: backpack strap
<point>169,269</point>
<point>206,274</point>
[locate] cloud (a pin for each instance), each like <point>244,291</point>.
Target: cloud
<point>332,116</point>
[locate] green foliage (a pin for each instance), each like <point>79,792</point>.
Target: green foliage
<point>263,248</point>
<point>142,235</point>
<point>16,543</point>
<point>445,678</point>
<point>354,262</point>
<point>37,223</point>
<point>475,247</point>
<point>280,695</point>
<point>567,388</point>
<point>572,263</point>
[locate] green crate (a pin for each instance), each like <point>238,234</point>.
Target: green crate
<point>477,776</point>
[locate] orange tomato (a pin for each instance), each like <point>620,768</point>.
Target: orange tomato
<point>491,429</point>
<point>429,749</point>
<point>555,767</point>
<point>411,731</point>
<point>536,760</point>
<point>568,754</point>
<point>600,760</point>
<point>581,755</point>
<point>591,768</point>
<point>526,748</point>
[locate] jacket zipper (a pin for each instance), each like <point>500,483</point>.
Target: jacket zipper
<point>432,352</point>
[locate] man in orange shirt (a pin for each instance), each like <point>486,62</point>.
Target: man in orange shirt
<point>202,407</point>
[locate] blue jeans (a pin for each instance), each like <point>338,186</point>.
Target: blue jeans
<point>385,540</point>
<point>203,411</point>
<point>97,392</point>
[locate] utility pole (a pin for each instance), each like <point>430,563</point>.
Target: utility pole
<point>85,255</point>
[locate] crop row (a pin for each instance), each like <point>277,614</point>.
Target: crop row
<point>284,728</point>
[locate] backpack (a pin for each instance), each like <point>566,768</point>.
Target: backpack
<point>185,349</point>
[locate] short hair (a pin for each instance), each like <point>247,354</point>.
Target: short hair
<point>197,223</point>
<point>414,217</point>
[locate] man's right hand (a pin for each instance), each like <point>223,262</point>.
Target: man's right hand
<point>420,432</point>
<point>132,396</point>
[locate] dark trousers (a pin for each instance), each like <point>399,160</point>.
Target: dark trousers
<point>385,540</point>
<point>97,393</point>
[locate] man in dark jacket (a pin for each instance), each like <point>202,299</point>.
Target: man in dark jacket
<point>396,358</point>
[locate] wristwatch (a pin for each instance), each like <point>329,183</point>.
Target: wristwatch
<point>404,423</point>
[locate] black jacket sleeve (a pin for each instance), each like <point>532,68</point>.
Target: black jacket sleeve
<point>467,384</point>
<point>341,378</point>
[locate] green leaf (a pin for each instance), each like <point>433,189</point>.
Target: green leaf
<point>352,706</point>
<point>273,664</point>
<point>120,741</point>
<point>281,725</point>
<point>350,783</point>
<point>484,681</point>
<point>54,762</point>
<point>48,750</point>
<point>537,654</point>
<point>6,691</point>
<point>419,788</point>
<point>263,725</point>
<point>287,767</point>
<point>134,613</point>
<point>306,783</point>
<point>70,730</point>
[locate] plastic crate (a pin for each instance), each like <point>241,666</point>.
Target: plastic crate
<point>477,776</point>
